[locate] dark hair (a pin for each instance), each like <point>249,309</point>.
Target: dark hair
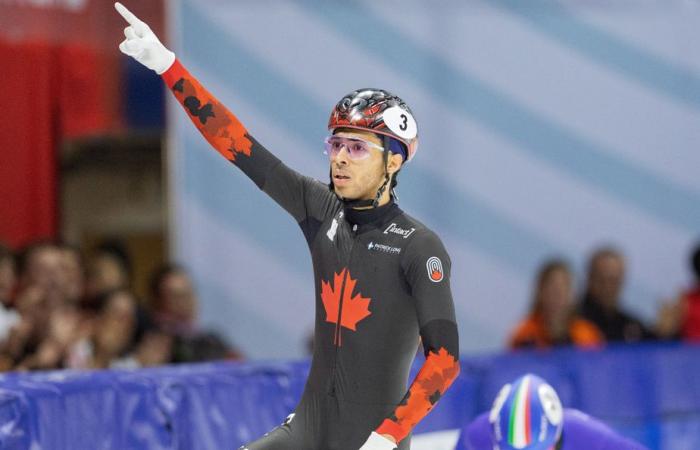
<point>390,144</point>
<point>603,252</point>
<point>116,250</point>
<point>695,260</point>
<point>159,275</point>
<point>142,320</point>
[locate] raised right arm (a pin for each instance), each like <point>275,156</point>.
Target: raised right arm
<point>219,126</point>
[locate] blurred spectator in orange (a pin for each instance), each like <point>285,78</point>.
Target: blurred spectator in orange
<point>553,320</point>
<point>681,318</point>
<point>8,280</point>
<point>174,309</point>
<point>601,301</point>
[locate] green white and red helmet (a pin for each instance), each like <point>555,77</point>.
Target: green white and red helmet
<point>380,112</point>
<point>527,415</point>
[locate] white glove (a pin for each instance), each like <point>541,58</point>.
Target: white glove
<point>378,442</point>
<point>142,44</point>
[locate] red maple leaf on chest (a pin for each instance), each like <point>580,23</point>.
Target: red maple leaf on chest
<point>339,302</point>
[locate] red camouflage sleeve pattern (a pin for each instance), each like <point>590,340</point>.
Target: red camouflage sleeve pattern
<point>217,124</point>
<point>435,377</point>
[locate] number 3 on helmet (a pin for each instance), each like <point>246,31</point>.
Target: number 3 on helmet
<point>377,111</point>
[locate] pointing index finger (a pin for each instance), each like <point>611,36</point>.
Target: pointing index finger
<point>127,15</point>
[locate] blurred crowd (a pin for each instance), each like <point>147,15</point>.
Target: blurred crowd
<point>59,309</point>
<point>558,316</point>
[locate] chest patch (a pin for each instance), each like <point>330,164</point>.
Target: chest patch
<point>383,248</point>
<point>395,229</point>
<point>334,227</point>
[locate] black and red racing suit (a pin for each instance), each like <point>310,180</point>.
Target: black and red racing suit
<point>382,282</point>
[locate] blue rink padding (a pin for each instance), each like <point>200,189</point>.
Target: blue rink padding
<point>650,393</point>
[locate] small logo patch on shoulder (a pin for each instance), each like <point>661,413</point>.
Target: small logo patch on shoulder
<point>434,266</point>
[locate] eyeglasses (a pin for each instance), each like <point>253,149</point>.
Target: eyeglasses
<point>357,148</point>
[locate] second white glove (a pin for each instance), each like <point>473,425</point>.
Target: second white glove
<point>142,44</point>
<point>378,442</point>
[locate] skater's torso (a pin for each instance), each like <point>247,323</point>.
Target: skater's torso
<point>366,329</point>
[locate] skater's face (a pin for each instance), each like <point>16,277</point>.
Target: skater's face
<point>359,179</point>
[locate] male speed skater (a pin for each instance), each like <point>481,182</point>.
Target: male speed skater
<point>382,279</point>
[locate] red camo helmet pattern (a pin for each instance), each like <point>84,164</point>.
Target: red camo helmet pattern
<point>364,109</point>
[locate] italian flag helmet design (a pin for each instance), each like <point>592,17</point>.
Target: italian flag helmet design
<point>526,415</point>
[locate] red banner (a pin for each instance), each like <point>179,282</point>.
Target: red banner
<point>27,143</point>
<point>60,78</point>
<point>89,23</point>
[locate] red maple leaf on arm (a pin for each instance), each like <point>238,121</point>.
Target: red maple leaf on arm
<point>340,305</point>
<point>439,370</point>
<point>219,126</point>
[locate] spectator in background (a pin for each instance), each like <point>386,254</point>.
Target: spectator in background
<point>73,273</point>
<point>690,303</point>
<point>8,280</point>
<point>174,302</point>
<point>155,348</point>
<point>115,334</point>
<point>109,268</point>
<point>39,292</point>
<point>681,318</point>
<point>40,269</point>
<point>58,321</point>
<point>174,309</point>
<point>601,301</point>
<point>552,319</point>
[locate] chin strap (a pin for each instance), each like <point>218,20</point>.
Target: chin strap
<point>373,203</point>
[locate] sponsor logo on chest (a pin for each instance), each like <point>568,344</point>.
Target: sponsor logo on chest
<point>395,229</point>
<point>383,248</point>
<point>334,227</point>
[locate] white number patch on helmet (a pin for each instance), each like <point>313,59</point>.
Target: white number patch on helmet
<point>400,122</point>
<point>551,404</point>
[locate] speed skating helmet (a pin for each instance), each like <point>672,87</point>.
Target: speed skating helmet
<point>526,415</point>
<point>380,112</point>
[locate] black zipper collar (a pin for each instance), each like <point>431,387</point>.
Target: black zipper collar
<point>372,217</point>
